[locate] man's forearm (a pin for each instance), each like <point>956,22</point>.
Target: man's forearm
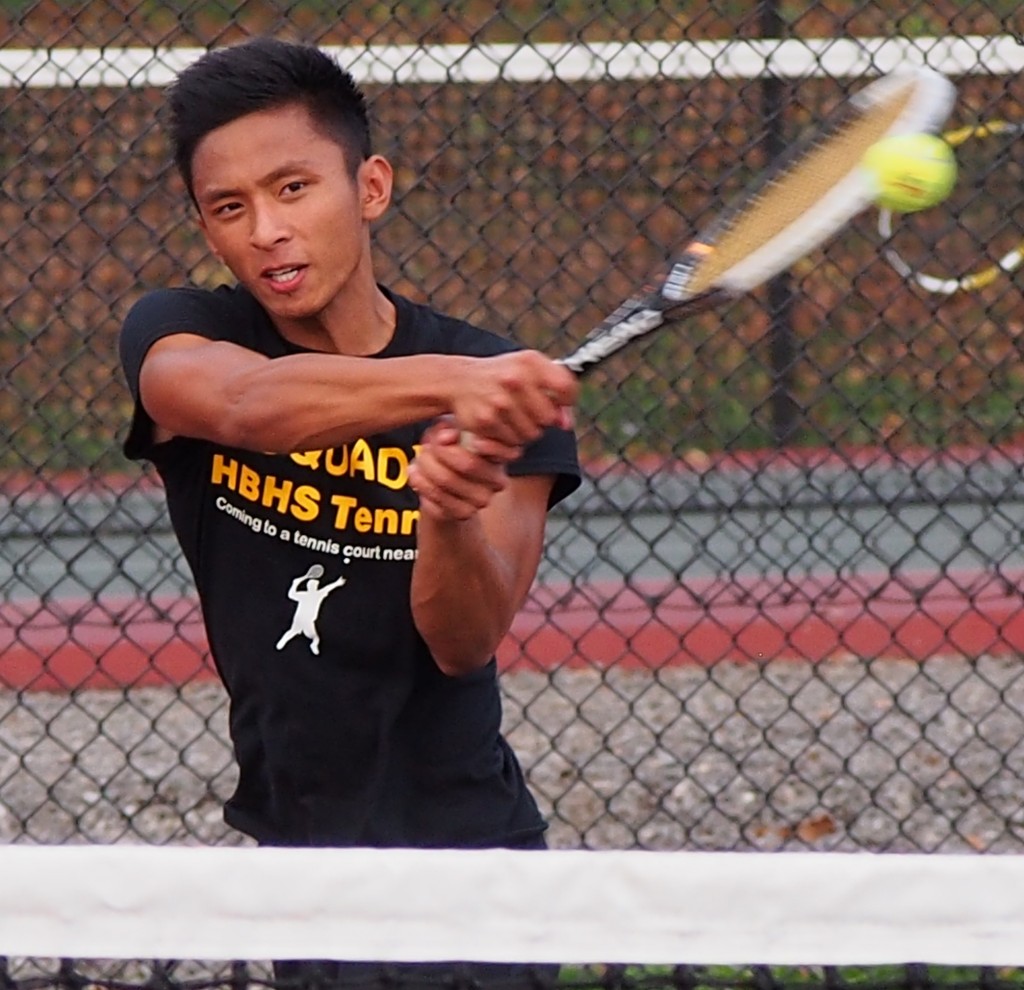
<point>307,402</point>
<point>218,391</point>
<point>464,593</point>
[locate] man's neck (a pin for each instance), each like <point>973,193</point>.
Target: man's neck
<point>354,327</point>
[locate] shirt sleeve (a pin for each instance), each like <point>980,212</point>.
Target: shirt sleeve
<point>156,315</point>
<point>555,454</point>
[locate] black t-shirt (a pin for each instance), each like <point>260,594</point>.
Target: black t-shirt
<point>345,731</point>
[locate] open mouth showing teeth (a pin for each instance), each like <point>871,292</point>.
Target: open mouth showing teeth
<point>283,276</point>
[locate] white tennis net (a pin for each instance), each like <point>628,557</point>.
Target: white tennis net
<point>645,908</point>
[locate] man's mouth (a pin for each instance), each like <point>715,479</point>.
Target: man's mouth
<point>283,275</point>
<point>284,280</point>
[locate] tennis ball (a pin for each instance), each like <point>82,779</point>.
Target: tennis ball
<point>911,171</point>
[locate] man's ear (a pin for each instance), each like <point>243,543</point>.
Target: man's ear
<point>376,179</point>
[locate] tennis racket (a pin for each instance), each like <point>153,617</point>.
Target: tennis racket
<point>800,202</point>
<point>986,192</point>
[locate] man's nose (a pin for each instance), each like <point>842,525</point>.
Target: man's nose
<point>268,227</point>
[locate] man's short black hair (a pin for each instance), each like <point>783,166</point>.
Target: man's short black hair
<point>264,74</point>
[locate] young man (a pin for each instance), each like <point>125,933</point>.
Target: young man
<point>359,484</point>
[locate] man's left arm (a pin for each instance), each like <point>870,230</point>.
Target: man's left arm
<point>480,539</point>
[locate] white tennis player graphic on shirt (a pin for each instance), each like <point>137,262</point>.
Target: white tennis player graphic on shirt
<point>309,600</point>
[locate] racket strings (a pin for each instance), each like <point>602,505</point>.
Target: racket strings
<point>791,196</point>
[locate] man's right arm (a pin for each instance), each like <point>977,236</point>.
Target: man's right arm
<point>215,390</point>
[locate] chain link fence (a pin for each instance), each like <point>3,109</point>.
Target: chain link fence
<point>784,611</point>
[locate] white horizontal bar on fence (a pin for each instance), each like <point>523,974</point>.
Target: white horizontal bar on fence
<point>63,68</point>
<point>503,905</point>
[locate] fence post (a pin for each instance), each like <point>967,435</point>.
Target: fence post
<point>784,408</point>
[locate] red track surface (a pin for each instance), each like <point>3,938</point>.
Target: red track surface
<point>63,645</point>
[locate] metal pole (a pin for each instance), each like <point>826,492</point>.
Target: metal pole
<point>784,408</point>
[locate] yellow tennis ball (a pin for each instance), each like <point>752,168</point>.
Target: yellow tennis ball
<point>911,171</point>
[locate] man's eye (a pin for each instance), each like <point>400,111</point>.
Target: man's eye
<point>225,209</point>
<point>296,186</point>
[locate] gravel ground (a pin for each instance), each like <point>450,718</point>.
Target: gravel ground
<point>846,754</point>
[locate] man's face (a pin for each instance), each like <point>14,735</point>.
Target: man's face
<point>280,208</point>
